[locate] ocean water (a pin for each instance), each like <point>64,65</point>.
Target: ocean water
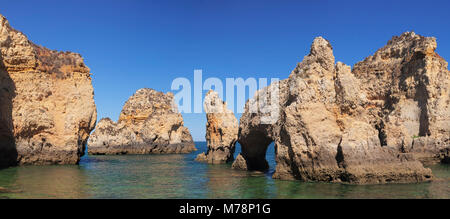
<point>179,176</point>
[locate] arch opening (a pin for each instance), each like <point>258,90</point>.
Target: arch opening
<point>254,149</point>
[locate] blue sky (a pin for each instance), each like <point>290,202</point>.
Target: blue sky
<point>131,44</point>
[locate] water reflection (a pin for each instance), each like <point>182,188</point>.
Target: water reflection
<point>136,176</point>
<point>440,188</point>
<point>179,176</point>
<point>223,182</point>
<point>44,182</point>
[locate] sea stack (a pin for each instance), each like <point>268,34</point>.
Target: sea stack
<point>368,125</point>
<point>47,107</point>
<point>221,131</point>
<point>148,124</point>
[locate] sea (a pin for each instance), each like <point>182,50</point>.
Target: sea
<point>180,176</point>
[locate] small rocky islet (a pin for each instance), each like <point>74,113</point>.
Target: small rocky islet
<point>148,124</point>
<point>375,123</point>
<point>221,131</point>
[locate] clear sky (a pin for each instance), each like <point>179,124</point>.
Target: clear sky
<point>132,44</point>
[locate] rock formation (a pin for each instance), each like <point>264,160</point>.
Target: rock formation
<point>149,123</point>
<point>221,131</point>
<point>367,125</point>
<point>408,84</point>
<point>47,107</point>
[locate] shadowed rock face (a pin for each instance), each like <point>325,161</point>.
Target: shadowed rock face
<point>444,155</point>
<point>47,106</point>
<point>366,125</point>
<point>221,131</point>
<point>149,123</point>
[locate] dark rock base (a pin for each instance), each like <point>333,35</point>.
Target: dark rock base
<point>182,148</point>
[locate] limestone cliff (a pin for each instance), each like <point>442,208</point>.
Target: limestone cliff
<point>366,125</point>
<point>408,89</point>
<point>149,123</point>
<point>47,105</point>
<point>221,131</point>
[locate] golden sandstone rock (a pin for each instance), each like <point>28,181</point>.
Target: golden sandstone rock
<point>47,105</point>
<point>148,124</point>
<point>221,131</point>
<point>368,125</point>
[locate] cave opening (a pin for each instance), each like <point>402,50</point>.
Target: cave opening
<point>381,133</point>
<point>269,156</point>
<point>258,150</point>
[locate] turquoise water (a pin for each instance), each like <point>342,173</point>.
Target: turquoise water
<point>179,176</point>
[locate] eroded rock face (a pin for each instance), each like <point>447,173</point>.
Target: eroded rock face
<point>366,125</point>
<point>149,123</point>
<point>221,131</point>
<point>47,105</point>
<point>408,83</point>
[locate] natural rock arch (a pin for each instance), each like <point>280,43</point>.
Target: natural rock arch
<point>339,124</point>
<point>253,148</point>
